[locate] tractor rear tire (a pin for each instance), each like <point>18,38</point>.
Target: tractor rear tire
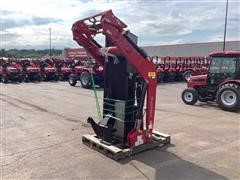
<point>44,77</point>
<point>190,96</point>
<point>56,78</point>
<point>228,97</point>
<point>26,78</point>
<point>85,79</point>
<point>4,79</point>
<point>39,79</point>
<point>61,78</point>
<point>160,76</point>
<point>20,80</point>
<point>72,81</point>
<point>187,74</point>
<point>172,76</point>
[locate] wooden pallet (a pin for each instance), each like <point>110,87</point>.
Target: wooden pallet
<point>117,152</point>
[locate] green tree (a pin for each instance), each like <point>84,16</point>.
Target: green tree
<point>2,53</point>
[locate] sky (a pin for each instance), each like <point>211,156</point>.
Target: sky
<point>25,24</point>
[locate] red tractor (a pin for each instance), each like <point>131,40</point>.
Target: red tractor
<point>169,69</point>
<point>48,70</point>
<point>160,72</point>
<point>31,71</point>
<point>10,71</point>
<point>82,72</point>
<point>159,68</point>
<point>63,68</point>
<point>221,83</point>
<point>195,66</point>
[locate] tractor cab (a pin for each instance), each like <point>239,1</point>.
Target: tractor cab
<point>224,66</point>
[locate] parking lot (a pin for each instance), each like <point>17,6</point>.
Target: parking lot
<point>42,125</point>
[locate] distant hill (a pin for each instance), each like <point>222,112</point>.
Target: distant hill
<point>30,53</point>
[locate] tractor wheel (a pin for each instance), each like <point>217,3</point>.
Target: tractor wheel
<point>160,77</point>
<point>61,78</point>
<point>85,79</point>
<point>187,74</point>
<point>172,76</point>
<point>178,76</point>
<point>20,79</point>
<point>190,96</point>
<point>228,97</point>
<point>72,81</point>
<point>56,77</point>
<point>39,78</point>
<point>4,79</point>
<point>44,77</point>
<point>26,78</point>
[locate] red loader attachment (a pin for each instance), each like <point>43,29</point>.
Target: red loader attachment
<point>126,126</point>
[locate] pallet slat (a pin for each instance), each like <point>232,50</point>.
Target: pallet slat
<point>117,153</point>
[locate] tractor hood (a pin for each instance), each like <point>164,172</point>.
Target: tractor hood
<point>12,69</point>
<point>198,80</point>
<point>79,67</point>
<point>66,69</point>
<point>50,69</point>
<point>33,69</point>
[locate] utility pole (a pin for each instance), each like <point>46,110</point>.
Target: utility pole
<point>225,28</point>
<point>50,42</point>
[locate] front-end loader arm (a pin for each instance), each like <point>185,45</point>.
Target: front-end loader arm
<point>114,30</point>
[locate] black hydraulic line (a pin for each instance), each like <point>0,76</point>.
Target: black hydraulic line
<point>141,102</point>
<point>96,43</point>
<point>138,49</point>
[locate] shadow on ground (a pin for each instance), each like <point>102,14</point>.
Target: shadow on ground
<point>212,105</point>
<point>168,166</point>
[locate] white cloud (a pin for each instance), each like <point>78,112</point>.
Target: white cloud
<point>155,21</point>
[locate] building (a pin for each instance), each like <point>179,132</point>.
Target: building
<point>192,49</point>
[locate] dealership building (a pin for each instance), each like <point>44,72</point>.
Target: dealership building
<point>191,49</point>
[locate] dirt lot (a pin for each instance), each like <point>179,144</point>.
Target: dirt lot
<point>42,125</point>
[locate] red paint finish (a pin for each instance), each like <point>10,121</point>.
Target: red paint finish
<point>224,53</point>
<point>230,81</point>
<point>200,80</point>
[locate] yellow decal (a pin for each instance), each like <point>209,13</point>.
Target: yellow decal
<point>152,75</point>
